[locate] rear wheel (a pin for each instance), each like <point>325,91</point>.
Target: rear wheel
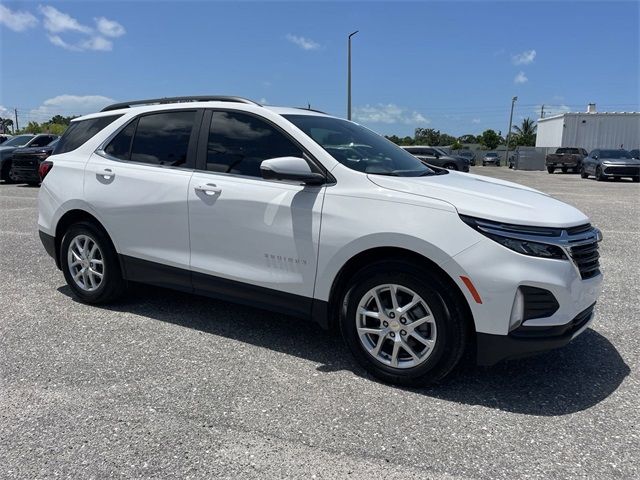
<point>636,179</point>
<point>564,169</point>
<point>551,169</point>
<point>402,324</point>
<point>5,173</point>
<point>90,264</point>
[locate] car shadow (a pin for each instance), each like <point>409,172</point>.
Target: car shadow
<point>554,383</point>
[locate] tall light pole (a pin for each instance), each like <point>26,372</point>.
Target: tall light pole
<point>349,77</point>
<point>506,157</point>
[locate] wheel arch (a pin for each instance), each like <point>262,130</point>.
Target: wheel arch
<point>69,218</point>
<point>365,257</point>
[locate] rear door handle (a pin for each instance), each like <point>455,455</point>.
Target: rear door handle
<point>208,189</point>
<point>107,173</point>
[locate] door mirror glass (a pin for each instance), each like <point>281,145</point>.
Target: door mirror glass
<point>290,168</point>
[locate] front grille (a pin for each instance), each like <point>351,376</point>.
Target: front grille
<point>622,171</point>
<point>586,259</point>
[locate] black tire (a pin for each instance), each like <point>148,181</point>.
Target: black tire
<point>551,169</point>
<point>636,179</point>
<point>5,172</point>
<point>450,166</point>
<point>599,176</point>
<point>112,285</point>
<point>484,164</point>
<point>452,329</point>
<point>583,173</point>
<point>33,184</point>
<point>564,169</point>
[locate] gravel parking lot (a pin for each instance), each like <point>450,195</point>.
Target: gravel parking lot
<point>168,385</point>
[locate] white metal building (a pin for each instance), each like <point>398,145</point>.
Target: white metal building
<point>590,130</point>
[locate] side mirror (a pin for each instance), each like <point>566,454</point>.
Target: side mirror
<point>437,154</point>
<point>290,168</point>
<point>595,157</point>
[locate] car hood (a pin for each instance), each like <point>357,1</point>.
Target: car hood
<point>621,161</point>
<point>488,198</point>
<point>7,149</point>
<point>25,150</point>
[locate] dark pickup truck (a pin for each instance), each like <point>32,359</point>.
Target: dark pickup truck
<point>565,158</point>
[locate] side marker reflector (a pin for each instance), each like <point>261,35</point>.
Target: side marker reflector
<point>472,289</point>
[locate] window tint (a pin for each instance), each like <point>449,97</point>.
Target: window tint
<point>41,141</point>
<point>163,138</point>
<point>238,143</point>
<point>120,146</point>
<point>81,131</point>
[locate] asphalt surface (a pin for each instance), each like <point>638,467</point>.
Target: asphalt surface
<point>168,385</point>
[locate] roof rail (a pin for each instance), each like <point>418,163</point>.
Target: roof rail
<point>201,98</point>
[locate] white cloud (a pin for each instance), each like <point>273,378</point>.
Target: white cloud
<point>17,21</point>
<point>69,105</point>
<point>389,113</point>
<point>520,78</point>
<point>97,43</point>
<point>475,120</point>
<point>302,42</point>
<point>524,58</point>
<point>263,101</point>
<point>109,28</point>
<point>56,21</point>
<point>5,112</point>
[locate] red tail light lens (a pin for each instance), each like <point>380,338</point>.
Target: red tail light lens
<point>43,169</point>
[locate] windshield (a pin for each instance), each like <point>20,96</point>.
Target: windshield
<point>441,152</point>
<point>466,154</point>
<point>492,154</point>
<point>614,154</point>
<point>359,148</point>
<point>18,141</point>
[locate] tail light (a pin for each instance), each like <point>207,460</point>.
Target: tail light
<point>44,168</point>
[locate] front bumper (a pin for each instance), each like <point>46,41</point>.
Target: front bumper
<point>525,341</point>
<point>621,171</point>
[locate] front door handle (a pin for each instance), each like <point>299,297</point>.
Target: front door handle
<point>107,174</point>
<point>208,189</point>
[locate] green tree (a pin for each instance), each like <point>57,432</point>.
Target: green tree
<point>427,136</point>
<point>5,123</point>
<point>468,138</point>
<point>490,139</point>
<point>394,138</point>
<point>32,127</point>
<point>60,120</point>
<point>446,139</point>
<point>456,145</point>
<point>54,128</point>
<point>525,134</point>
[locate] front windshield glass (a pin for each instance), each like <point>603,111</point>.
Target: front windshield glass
<point>359,148</point>
<point>492,154</point>
<point>18,141</point>
<point>614,154</point>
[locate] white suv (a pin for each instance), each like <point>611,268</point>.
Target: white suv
<point>313,216</point>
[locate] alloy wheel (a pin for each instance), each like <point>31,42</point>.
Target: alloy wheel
<point>395,326</point>
<point>85,262</point>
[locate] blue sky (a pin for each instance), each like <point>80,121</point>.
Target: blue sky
<point>453,66</point>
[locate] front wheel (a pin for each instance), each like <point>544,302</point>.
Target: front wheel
<point>90,264</point>
<point>599,176</point>
<point>402,324</point>
<point>450,166</point>
<point>564,169</point>
<point>583,173</point>
<point>636,179</point>
<point>551,169</point>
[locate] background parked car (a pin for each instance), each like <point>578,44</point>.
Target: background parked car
<point>635,153</point>
<point>26,163</point>
<point>565,158</point>
<point>4,138</point>
<point>605,164</point>
<point>491,158</point>
<point>8,147</point>
<point>433,156</point>
<point>469,155</point>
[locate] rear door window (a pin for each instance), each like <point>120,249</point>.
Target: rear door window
<point>163,138</point>
<point>81,131</point>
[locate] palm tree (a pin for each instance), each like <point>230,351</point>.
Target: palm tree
<point>5,123</point>
<point>526,132</point>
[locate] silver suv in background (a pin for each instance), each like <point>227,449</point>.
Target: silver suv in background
<point>491,158</point>
<point>438,158</point>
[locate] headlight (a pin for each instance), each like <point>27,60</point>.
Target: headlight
<point>518,238</point>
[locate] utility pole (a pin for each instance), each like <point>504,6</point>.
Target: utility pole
<point>349,77</point>
<point>506,157</point>
<point>542,111</point>
<point>15,114</point>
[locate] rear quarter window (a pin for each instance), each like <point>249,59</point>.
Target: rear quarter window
<point>81,131</point>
